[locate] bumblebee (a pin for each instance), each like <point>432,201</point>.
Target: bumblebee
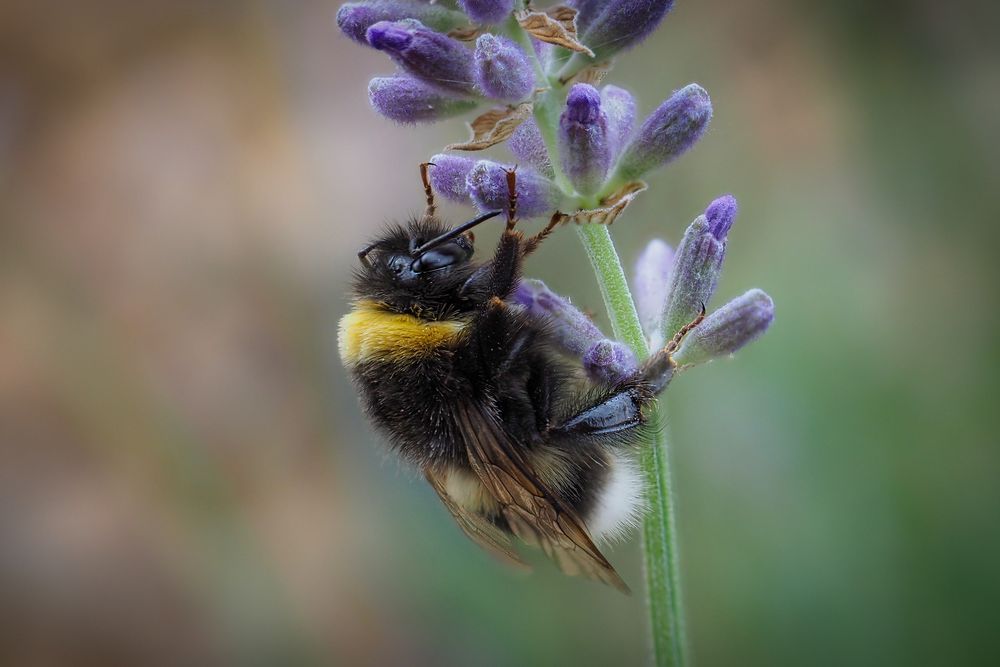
<point>479,397</point>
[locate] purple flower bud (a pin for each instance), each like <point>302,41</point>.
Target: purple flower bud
<point>430,56</point>
<point>586,12</point>
<point>408,100</point>
<point>620,24</point>
<point>695,273</point>
<point>649,287</point>
<point>669,131</point>
<point>583,139</point>
<point>619,105</point>
<point>603,360</point>
<point>487,11</point>
<point>536,195</point>
<point>449,176</point>
<point>502,69</point>
<point>354,18</point>
<point>720,215</point>
<point>572,331</point>
<point>528,146</point>
<point>609,362</point>
<point>739,322</point>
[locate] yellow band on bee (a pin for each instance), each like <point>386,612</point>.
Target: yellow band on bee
<point>371,333</point>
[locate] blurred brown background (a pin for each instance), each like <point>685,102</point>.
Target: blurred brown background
<point>185,477</point>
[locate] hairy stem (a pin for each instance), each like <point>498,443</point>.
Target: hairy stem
<point>659,530</point>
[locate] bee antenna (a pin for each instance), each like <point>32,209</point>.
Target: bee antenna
<point>456,231</point>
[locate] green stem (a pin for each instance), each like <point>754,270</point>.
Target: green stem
<point>659,529</point>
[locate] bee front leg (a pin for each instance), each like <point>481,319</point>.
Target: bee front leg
<point>659,369</point>
<point>428,190</point>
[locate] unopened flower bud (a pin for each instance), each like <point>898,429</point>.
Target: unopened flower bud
<point>619,105</point>
<point>586,12</point>
<point>408,100</point>
<point>697,265</point>
<point>434,58</point>
<point>583,139</point>
<point>449,176</point>
<point>668,132</point>
<point>618,25</point>
<point>739,322</point>
<point>649,287</point>
<point>604,360</point>
<point>487,181</point>
<point>487,11</point>
<point>528,146</point>
<point>502,70</point>
<point>609,362</point>
<point>354,18</point>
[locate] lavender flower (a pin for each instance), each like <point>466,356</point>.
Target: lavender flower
<point>612,26</point>
<point>407,100</point>
<point>604,360</point>
<point>738,323</point>
<point>620,24</point>
<point>449,176</point>
<point>502,69</point>
<point>583,139</point>
<point>586,12</point>
<point>487,182</point>
<point>619,105</point>
<point>430,56</point>
<point>649,287</point>
<point>596,153</point>
<point>668,132</point>
<point>487,11</point>
<point>697,265</point>
<point>354,18</point>
<point>528,146</point>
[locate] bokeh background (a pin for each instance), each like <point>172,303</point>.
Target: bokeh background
<point>185,476</point>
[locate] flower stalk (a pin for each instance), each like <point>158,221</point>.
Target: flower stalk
<point>578,152</point>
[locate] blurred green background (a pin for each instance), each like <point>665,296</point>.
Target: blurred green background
<point>186,477</point>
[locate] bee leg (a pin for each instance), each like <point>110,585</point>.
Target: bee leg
<point>659,369</point>
<point>511,198</point>
<point>618,411</point>
<point>428,191</point>
<point>531,245</point>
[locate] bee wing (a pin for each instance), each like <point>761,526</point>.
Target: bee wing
<point>479,529</point>
<point>534,513</point>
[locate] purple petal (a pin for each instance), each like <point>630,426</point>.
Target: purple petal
<point>668,132</point>
<point>736,324</point>
<point>408,100</point>
<point>487,11</point>
<point>609,362</point>
<point>502,69</point>
<point>694,277</point>
<point>619,105</point>
<point>586,12</point>
<point>434,58</point>
<point>583,139</point>
<point>487,181</point>
<point>449,175</point>
<point>720,215</point>
<point>354,18</point>
<point>621,24</point>
<point>649,284</point>
<point>528,146</point>
<point>573,331</point>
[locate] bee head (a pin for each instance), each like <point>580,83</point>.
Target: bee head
<point>420,268</point>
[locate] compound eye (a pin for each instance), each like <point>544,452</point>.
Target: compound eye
<point>398,264</point>
<point>440,257</point>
